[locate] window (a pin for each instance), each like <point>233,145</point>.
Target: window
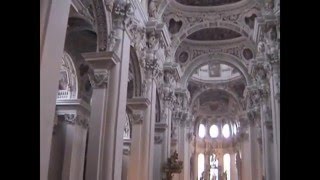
<point>200,165</point>
<point>214,131</point>
<point>226,166</point>
<point>213,167</point>
<point>234,129</point>
<point>226,131</point>
<point>202,131</point>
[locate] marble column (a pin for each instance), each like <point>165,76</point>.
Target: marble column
<point>159,150</point>
<point>167,134</point>
<point>184,153</point>
<point>75,114</point>
<point>148,127</point>
<point>53,26</point>
<point>253,151</point>
<point>101,62</point>
<point>74,156</point>
<point>266,129</point>
<point>138,106</point>
<point>275,107</point>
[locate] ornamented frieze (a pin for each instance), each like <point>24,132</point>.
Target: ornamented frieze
<point>101,24</point>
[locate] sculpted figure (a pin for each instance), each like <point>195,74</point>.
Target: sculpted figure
<point>152,9</point>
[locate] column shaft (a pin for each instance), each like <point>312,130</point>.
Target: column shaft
<point>96,138</point>
<point>74,153</point>
<point>148,131</point>
<point>275,106</point>
<point>116,114</point>
<point>50,61</point>
<point>134,171</point>
<point>268,159</point>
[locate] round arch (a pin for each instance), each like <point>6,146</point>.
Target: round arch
<point>103,19</point>
<point>203,25</point>
<point>223,58</point>
<point>232,94</point>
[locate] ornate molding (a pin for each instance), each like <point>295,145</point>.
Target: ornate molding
<point>122,13</point>
<point>158,139</point>
<point>137,117</point>
<point>99,79</point>
<point>153,8</point>
<point>76,119</point>
<point>100,14</point>
<point>152,67</point>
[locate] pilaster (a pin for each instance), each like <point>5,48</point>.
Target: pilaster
<point>75,115</point>
<point>137,105</point>
<point>53,26</point>
<point>101,63</point>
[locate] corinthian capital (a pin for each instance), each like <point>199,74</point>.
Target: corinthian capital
<point>122,13</point>
<point>137,116</point>
<point>76,119</point>
<point>99,79</point>
<point>152,67</point>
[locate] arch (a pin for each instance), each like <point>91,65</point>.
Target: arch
<point>103,22</point>
<point>68,82</point>
<point>232,94</point>
<point>78,24</point>
<point>217,24</point>
<point>223,58</point>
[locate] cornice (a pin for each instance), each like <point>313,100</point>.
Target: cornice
<point>228,42</point>
<point>233,6</point>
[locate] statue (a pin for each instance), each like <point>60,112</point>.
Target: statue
<point>172,166</point>
<point>152,9</point>
<point>261,48</point>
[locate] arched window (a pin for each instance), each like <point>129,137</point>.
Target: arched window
<point>213,167</point>
<point>126,132</point>
<point>226,165</point>
<point>200,165</point>
<point>226,131</point>
<point>202,131</point>
<point>234,129</point>
<point>214,131</point>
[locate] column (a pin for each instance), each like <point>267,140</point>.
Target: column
<point>53,26</point>
<point>253,151</point>
<point>275,107</point>
<point>159,149</point>
<point>117,96</point>
<point>138,106</point>
<point>101,64</point>
<point>148,127</point>
<point>266,129</point>
<point>184,153</point>
<point>75,145</point>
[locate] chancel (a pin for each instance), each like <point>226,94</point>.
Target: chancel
<point>160,90</point>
